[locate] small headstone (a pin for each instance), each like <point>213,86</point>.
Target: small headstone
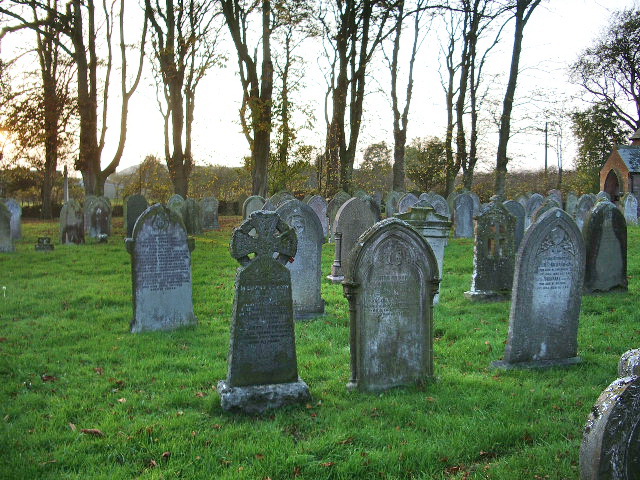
<point>176,204</point>
<point>192,217</point>
<point>584,206</point>
<point>556,195</point>
<point>609,449</point>
<point>517,210</point>
<point>71,223</point>
<point>99,212</point>
<point>548,204</point>
<point>494,254</point>
<point>161,271</point>
<point>546,295</point>
<point>135,205</point>
<point>16,217</point>
<point>407,201</point>
<point>605,238</point>
<point>44,244</point>
<point>434,228</point>
<point>319,205</point>
<point>464,208</point>
<point>354,217</point>
<point>87,209</point>
<point>306,269</point>
<point>571,204</point>
<point>6,241</point>
<point>263,368</point>
<point>251,204</point>
<point>533,203</point>
<point>390,283</point>
<point>277,199</point>
<point>438,203</point>
<point>332,210</point>
<point>209,212</point>
<point>377,198</point>
<point>630,208</point>
<point>603,196</point>
<point>391,202</point>
<point>629,364</point>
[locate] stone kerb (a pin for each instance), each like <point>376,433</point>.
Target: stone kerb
<point>546,295</point>
<point>390,284</point>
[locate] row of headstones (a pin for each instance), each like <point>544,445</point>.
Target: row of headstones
<point>94,219</point>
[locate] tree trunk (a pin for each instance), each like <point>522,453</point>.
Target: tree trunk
<point>399,147</point>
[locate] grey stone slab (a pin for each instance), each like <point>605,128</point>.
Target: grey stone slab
<point>603,196</point>
<point>546,294</point>
<point>609,449</point>
<point>161,271</point>
<point>209,213</point>
<point>629,364</point>
<point>332,210</point>
<point>251,204</point>
<point>571,204</point>
<point>517,210</point>
<point>556,195</point>
<point>176,204</point>
<point>533,203</point>
<point>192,217</point>
<point>6,240</point>
<point>464,208</point>
<point>548,204</point>
<point>585,203</point>
<point>16,217</point>
<point>258,399</point>
<point>134,206</point>
<point>277,199</point>
<point>71,223</point>
<point>319,205</point>
<point>407,201</point>
<point>306,269</point>
<point>438,203</point>
<point>605,237</point>
<point>391,280</point>
<point>629,206</point>
<point>391,202</point>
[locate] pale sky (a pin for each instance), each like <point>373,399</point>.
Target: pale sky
<point>557,31</point>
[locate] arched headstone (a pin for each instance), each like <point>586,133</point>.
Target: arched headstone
<point>71,222</point>
<point>584,206</point>
<point>332,210</point>
<point>517,210</point>
<point>629,205</point>
<point>407,201</point>
<point>134,206</point>
<point>464,208</point>
<point>319,205</point>
<point>251,204</point>
<point>533,203</point>
<point>438,203</point>
<point>209,211</point>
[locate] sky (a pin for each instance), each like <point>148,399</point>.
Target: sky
<point>556,33</point>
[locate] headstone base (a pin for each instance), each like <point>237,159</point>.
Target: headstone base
<point>309,313</point>
<point>256,399</point>
<point>336,278</point>
<point>560,362</point>
<point>487,296</point>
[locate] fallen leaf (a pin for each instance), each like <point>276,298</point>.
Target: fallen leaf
<point>72,427</point>
<point>99,370</point>
<point>153,463</point>
<point>346,441</point>
<point>216,426</point>
<point>297,471</point>
<point>201,394</point>
<point>92,431</point>
<point>259,456</point>
<point>328,464</point>
<point>180,413</point>
<point>49,378</point>
<point>48,461</point>
<point>3,339</point>
<point>122,400</point>
<point>166,455</point>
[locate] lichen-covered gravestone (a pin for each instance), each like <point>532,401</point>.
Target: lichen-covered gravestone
<point>533,203</point>
<point>306,269</point>
<point>332,210</point>
<point>571,204</point>
<point>463,208</point>
<point>6,242</point>
<point>546,295</point>
<point>605,237</point>
<point>407,201</point>
<point>438,203</point>
<point>494,254</point>
<point>16,217</point>
<point>629,205</point>
<point>99,213</point>
<point>319,205</point>
<point>192,217</point>
<point>277,199</point>
<point>548,204</point>
<point>610,444</point>
<point>263,369</point>
<point>251,204</point>
<point>629,363</point>
<point>584,206</point>
<point>71,222</point>
<point>161,271</point>
<point>353,218</point>
<point>517,210</point>
<point>390,284</point>
<point>603,196</point>
<point>556,195</point>
<point>209,213</point>
<point>391,202</point>
<point>176,203</point>
<point>135,205</point>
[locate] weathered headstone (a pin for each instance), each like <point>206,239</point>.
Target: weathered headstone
<point>476,203</point>
<point>263,368</point>
<point>319,205</point>
<point>407,201</point>
<point>6,241</point>
<point>434,228</point>
<point>517,210</point>
<point>391,202</point>
<point>87,209</point>
<point>16,217</point>
<point>585,204</point>
<point>546,295</point>
<point>251,204</point>
<point>44,244</point>
<point>494,253</point>
<point>391,280</point>
<point>533,203</point>
<point>161,271</point>
<point>361,194</point>
<point>377,198</point>
<point>332,210</point>
<point>609,449</point>
<point>71,223</point>
<point>192,217</point>
<point>176,204</point>
<point>134,206</point>
<point>556,195</point>
<point>522,200</point>
<point>354,217</point>
<point>306,269</point>
<point>463,215</point>
<point>438,203</point>
<point>99,214</point>
<point>209,213</point>
<point>548,204</point>
<point>603,196</point>
<point>277,199</point>
<point>629,205</point>
<point>571,204</point>
<point>629,364</point>
<point>605,238</point>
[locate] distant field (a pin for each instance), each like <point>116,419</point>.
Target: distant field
<point>149,409</point>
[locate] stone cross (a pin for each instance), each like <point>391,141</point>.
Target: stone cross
<point>263,235</point>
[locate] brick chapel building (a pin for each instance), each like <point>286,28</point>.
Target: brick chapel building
<point>621,172</point>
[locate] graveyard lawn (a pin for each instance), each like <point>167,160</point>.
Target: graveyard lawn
<point>82,398</point>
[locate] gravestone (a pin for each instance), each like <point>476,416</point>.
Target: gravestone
<point>319,205</point>
<point>605,238</point>
<point>494,254</point>
<point>354,217</point>
<point>277,199</point>
<point>377,198</point>
<point>87,209</point>
<point>16,217</point>
<point>438,203</point>
<point>192,217</point>
<point>209,213</point>
<point>99,213</point>
<point>332,210</point>
<point>135,205</point>
<point>391,280</point>
<point>434,228</point>
<point>263,369</point>
<point>176,204</point>
<point>71,223</point>
<point>548,204</point>
<point>629,364</point>
<point>571,204</point>
<point>533,203</point>
<point>6,241</point>
<point>609,449</point>
<point>629,206</point>
<point>44,244</point>
<point>361,194</point>
<point>251,204</point>
<point>517,210</point>
<point>522,200</point>
<point>585,203</point>
<point>407,201</point>
<point>476,203</point>
<point>391,202</point>
<point>306,269</point>
<point>556,195</point>
<point>546,295</point>
<point>603,196</point>
<point>463,213</point>
<point>161,271</point>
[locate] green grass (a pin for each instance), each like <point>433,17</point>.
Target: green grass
<point>66,315</point>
